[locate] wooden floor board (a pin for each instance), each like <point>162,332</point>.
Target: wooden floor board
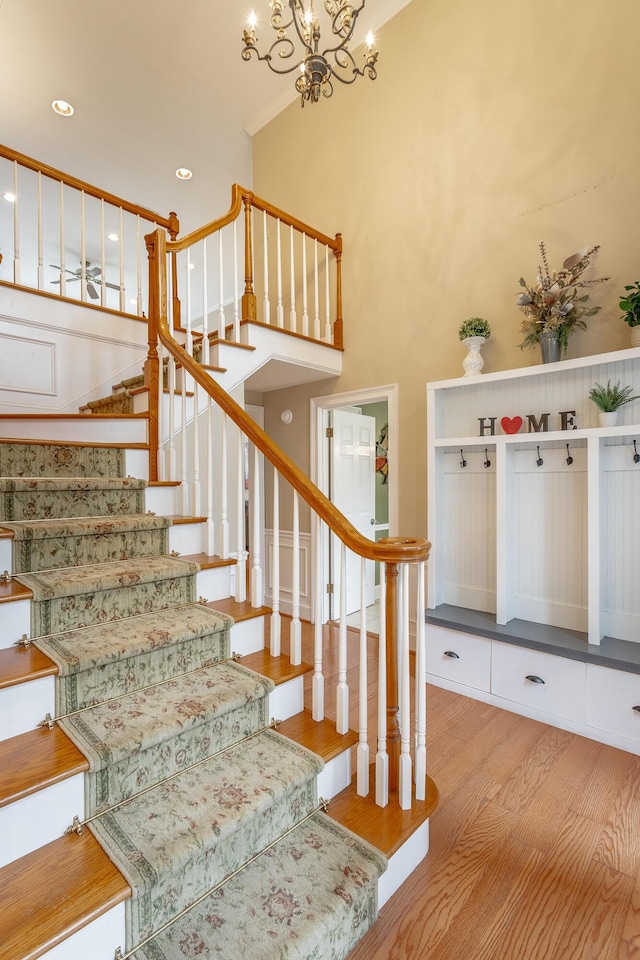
<point>605,781</point>
<point>620,843</point>
<point>595,926</point>
<point>531,774</point>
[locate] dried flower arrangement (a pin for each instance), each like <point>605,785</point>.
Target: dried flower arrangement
<point>552,303</point>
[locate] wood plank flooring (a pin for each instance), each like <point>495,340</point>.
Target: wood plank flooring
<point>535,844</point>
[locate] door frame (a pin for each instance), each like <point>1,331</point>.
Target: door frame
<point>319,460</point>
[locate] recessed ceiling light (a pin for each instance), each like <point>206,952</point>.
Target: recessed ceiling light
<point>112,236</point>
<point>9,197</point>
<point>62,108</point>
<point>183,174</point>
<point>192,266</point>
<point>133,301</point>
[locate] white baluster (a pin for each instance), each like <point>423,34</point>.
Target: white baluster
<point>196,499</point>
<point>121,235</point>
<point>305,311</point>
<point>171,471</point>
<point>292,310</point>
<point>342,690</point>
<point>317,709</point>
<point>211,529</point>
<point>362,753</point>
<point>382,757</point>
<point>236,293</point>
<point>295,628</point>
<point>241,564</point>
<point>275,631</point>
<point>16,226</point>
<point>162,466</point>
<point>139,307</point>
<point>267,305</point>
<point>421,693</point>
<point>327,299</point>
<point>224,491</point>
<point>279,308</point>
<point>63,275</point>
<point>405,767</point>
<point>205,306</point>
<point>316,293</point>
<point>184,487</point>
<point>222,333</point>
<point>40,241</point>
<point>83,252</point>
<point>257,587</point>
<point>103,259</point>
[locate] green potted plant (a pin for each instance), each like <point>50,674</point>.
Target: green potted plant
<point>609,399</point>
<point>630,303</point>
<point>473,333</point>
<point>552,307</point>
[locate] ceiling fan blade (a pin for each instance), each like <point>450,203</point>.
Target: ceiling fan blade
<point>91,290</point>
<point>112,286</point>
<point>71,279</point>
<point>94,272</point>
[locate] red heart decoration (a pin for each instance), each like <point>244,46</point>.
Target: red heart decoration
<point>511,424</point>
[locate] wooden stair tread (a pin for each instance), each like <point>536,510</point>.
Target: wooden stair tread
<point>20,664</point>
<point>239,611</point>
<point>215,339</point>
<point>177,518</point>
<point>278,669</point>
<point>6,534</point>
<point>35,760</point>
<point>319,736</point>
<point>387,828</point>
<point>208,561</point>
<point>55,891</point>
<point>14,591</point>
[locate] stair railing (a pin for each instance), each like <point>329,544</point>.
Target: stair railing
<point>395,769</point>
<point>46,212</point>
<point>257,264</point>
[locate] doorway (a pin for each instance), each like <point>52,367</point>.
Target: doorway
<point>382,403</point>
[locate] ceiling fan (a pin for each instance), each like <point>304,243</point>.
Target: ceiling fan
<point>88,273</point>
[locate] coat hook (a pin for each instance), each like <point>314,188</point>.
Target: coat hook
<point>569,457</point>
<point>636,455</point>
<point>463,462</point>
<point>539,461</point>
<point>487,462</point>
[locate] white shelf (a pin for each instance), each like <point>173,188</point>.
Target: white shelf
<point>552,542</point>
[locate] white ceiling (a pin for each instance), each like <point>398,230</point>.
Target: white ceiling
<point>156,85</point>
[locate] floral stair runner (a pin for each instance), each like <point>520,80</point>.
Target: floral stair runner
<point>187,781</point>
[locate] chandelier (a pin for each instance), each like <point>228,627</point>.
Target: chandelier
<point>317,69</point>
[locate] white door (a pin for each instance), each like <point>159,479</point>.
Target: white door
<point>353,472</point>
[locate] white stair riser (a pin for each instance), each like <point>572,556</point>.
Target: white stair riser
<point>162,500</point>
<point>41,817</point>
<point>86,430</point>
<point>14,622</point>
<point>137,463</point>
<point>287,699</point>
<point>6,562</point>
<point>403,862</point>
<point>247,636</point>
<point>187,537</point>
<point>336,775</point>
<point>213,584</point>
<point>98,940</point>
<point>23,705</point>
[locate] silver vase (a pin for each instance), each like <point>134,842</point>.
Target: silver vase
<point>549,346</point>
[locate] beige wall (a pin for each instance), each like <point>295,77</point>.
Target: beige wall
<point>491,126</point>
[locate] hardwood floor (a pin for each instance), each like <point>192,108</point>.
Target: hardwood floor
<point>535,845</point>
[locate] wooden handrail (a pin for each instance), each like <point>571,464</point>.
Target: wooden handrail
<point>388,550</point>
<point>170,223</point>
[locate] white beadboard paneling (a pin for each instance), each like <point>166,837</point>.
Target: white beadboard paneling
<point>467,546</point>
<point>551,537</point>
<point>621,542</point>
<point>286,571</point>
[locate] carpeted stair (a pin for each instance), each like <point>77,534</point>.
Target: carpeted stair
<point>187,782</point>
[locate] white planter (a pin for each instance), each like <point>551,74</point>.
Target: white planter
<point>635,336</point>
<point>607,419</point>
<point>474,361</point>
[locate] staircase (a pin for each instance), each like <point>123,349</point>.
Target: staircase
<point>163,768</point>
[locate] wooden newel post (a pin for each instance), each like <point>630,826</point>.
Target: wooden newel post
<point>393,703</point>
<point>152,363</point>
<point>338,333</point>
<point>249,311</point>
<point>174,229</point>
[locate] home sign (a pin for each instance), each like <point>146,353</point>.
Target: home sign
<point>535,424</point>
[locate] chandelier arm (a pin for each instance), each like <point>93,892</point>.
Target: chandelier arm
<point>368,70</point>
<point>267,57</point>
<point>295,7</point>
<point>354,14</point>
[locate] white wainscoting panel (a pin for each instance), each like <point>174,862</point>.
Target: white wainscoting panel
<point>286,571</point>
<point>27,365</point>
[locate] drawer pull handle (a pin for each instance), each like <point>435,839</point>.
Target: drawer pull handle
<point>532,677</point>
<point>452,654</point>
<point>637,709</point>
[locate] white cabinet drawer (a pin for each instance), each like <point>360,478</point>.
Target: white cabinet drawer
<point>611,698</point>
<point>539,680</point>
<point>458,656</point>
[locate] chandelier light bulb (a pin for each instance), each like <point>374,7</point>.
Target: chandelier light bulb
<point>370,40</point>
<point>253,20</point>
